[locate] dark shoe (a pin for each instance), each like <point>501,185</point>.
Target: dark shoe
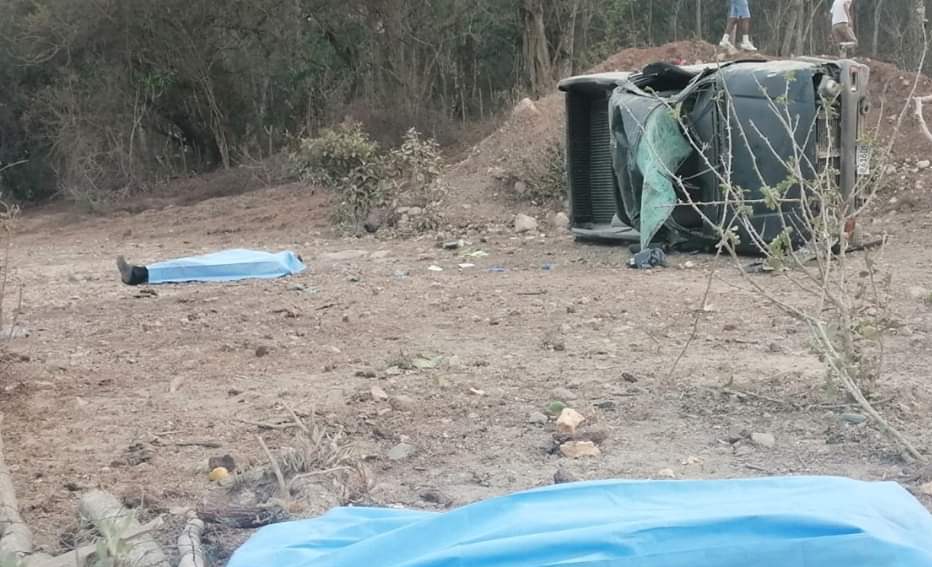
<point>126,271</point>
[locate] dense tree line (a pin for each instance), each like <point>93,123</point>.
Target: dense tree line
<point>99,96</point>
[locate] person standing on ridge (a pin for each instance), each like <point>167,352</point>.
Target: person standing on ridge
<point>739,19</point>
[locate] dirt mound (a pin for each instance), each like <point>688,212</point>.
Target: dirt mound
<point>680,52</point>
<point>498,167</point>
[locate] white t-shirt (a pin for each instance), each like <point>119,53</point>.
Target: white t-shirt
<point>840,11</point>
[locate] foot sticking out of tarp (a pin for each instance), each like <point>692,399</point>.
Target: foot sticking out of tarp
<point>224,266</point>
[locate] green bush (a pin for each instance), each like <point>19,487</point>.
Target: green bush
<point>346,160</point>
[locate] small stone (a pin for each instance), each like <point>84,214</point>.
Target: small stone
<point>524,223</point>
<point>923,164</point>
<point>564,394</point>
<point>561,221</point>
<point>433,496</point>
<point>401,452</point>
<point>926,489</point>
<point>262,351</point>
<point>629,378</point>
<point>375,219</point>
<point>666,473</point>
<point>918,292</point>
<point>526,108</point>
<point>520,187</point>
<point>402,403</point>
<point>579,449</point>
<point>537,418</point>
<point>225,461</point>
<point>854,418</point>
<point>454,244</point>
<point>296,287</point>
<point>563,476</point>
<point>434,269</point>
<point>569,420</point>
<point>765,440</point>
<point>607,405</point>
<point>378,394</point>
<point>497,173</point>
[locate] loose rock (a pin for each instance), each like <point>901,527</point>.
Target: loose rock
<point>569,420</point>
<point>537,418</point>
<point>926,489</point>
<point>402,403</point>
<point>524,223</point>
<point>225,461</point>
<point>401,452</point>
<point>765,440</point>
<point>854,418</point>
<point>526,108</point>
<point>918,292</point>
<point>579,449</point>
<point>923,164</point>
<point>378,394</point>
<point>561,221</point>
<point>564,394</point>
<point>563,476</point>
<point>666,473</point>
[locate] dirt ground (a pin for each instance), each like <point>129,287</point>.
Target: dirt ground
<point>120,389</point>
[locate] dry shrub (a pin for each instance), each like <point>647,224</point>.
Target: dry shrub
<point>365,178</point>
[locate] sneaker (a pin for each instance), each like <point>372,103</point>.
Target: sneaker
<point>746,44</point>
<point>726,43</point>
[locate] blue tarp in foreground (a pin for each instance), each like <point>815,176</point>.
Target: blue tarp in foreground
<point>225,266</point>
<point>806,521</point>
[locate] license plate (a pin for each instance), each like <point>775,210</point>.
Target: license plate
<point>864,159</point>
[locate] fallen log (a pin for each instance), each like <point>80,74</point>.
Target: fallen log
<point>189,544</point>
<point>81,556</point>
<point>15,535</point>
<point>112,520</point>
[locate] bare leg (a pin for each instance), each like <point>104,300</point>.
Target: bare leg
<point>732,29</point>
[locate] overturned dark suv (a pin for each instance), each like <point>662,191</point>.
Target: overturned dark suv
<point>703,122</point>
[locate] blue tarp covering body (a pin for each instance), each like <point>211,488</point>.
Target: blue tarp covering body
<point>225,266</point>
<point>817,522</point>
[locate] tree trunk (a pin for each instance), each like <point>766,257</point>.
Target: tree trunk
<point>699,19</point>
<point>566,50</point>
<point>15,535</point>
<point>536,53</point>
<point>914,45</point>
<point>581,36</point>
<point>793,19</point>
<point>106,513</point>
<point>875,40</point>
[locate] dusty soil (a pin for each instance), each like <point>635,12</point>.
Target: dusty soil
<point>113,385</point>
